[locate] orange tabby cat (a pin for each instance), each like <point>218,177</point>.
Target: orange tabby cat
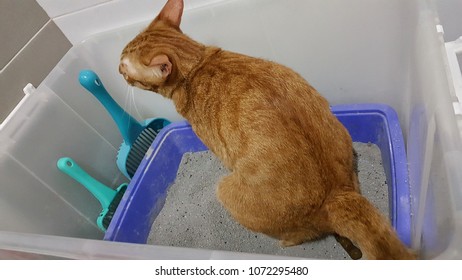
<point>291,161</point>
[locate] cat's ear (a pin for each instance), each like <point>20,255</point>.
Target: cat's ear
<point>161,65</point>
<point>172,12</point>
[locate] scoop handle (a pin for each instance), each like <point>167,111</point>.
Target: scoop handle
<point>103,193</point>
<point>128,126</point>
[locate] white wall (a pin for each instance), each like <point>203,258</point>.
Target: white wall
<point>81,19</point>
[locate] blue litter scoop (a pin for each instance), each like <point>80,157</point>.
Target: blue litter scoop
<point>108,198</point>
<point>138,137</point>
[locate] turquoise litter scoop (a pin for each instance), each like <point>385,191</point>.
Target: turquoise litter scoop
<point>138,137</point>
<point>108,198</point>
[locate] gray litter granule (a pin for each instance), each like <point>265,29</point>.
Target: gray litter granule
<point>192,216</point>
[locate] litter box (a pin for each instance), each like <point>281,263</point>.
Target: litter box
<point>145,196</point>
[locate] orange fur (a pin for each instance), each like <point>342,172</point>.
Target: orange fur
<point>292,167</point>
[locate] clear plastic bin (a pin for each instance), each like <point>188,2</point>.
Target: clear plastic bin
<point>384,51</point>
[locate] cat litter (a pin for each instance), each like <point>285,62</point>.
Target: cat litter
<point>192,216</point>
<point>172,200</point>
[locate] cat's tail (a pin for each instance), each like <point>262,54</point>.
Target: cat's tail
<point>351,215</point>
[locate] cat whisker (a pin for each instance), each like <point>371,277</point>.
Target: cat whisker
<point>127,102</point>
<point>134,103</point>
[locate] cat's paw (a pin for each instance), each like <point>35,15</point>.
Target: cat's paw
<point>289,243</point>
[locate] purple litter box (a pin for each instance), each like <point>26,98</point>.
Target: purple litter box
<point>146,193</point>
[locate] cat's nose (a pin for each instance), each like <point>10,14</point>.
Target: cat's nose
<point>123,68</point>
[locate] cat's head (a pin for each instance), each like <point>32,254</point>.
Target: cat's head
<point>149,60</point>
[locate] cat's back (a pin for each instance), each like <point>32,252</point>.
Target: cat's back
<point>237,83</point>
<point>248,107</point>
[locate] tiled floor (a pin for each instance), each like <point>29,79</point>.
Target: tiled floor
<point>31,46</point>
